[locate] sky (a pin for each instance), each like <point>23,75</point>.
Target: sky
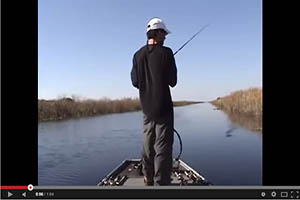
<point>85,47</point>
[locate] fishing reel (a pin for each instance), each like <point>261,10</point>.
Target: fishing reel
<point>187,177</point>
<point>115,181</point>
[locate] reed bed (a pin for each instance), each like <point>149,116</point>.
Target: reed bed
<point>184,103</point>
<point>65,108</point>
<point>247,102</point>
<point>68,108</point>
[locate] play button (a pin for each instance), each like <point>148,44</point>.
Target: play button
<point>9,194</point>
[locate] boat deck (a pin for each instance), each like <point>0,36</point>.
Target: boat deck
<point>129,173</point>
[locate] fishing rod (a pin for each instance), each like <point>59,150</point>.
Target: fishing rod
<point>191,38</point>
<point>180,141</point>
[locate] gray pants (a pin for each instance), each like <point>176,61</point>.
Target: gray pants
<point>157,149</point>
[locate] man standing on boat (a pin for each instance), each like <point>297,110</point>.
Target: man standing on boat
<point>153,71</point>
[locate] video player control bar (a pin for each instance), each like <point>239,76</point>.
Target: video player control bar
<point>209,192</point>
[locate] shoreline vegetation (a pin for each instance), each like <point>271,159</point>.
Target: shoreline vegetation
<point>243,107</point>
<point>67,108</point>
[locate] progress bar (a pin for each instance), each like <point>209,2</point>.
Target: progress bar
<point>160,192</point>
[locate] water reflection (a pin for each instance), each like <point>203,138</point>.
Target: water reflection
<point>252,123</point>
<point>230,130</point>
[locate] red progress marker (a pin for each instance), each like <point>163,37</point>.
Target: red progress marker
<point>14,187</point>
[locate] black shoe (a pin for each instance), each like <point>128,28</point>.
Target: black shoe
<point>148,181</point>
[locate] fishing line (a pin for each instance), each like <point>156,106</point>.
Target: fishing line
<point>180,141</point>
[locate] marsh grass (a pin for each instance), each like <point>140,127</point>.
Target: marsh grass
<point>184,103</point>
<point>247,102</point>
<point>66,108</point>
<point>243,107</point>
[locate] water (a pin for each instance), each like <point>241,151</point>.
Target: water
<point>82,151</point>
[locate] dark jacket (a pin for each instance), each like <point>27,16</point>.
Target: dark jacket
<point>153,71</point>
